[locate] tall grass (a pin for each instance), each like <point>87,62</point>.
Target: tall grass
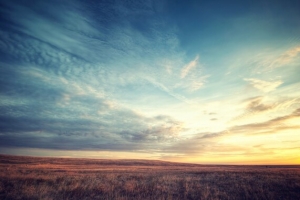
<point>51,178</point>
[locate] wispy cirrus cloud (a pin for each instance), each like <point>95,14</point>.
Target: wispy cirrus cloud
<point>191,79</point>
<point>264,86</point>
<point>188,67</point>
<point>285,58</point>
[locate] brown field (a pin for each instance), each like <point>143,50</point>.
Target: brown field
<point>62,178</point>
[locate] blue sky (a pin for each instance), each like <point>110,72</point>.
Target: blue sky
<point>190,81</point>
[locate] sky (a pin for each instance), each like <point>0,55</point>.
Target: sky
<point>211,82</point>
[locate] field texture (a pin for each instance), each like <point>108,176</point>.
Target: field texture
<point>58,178</point>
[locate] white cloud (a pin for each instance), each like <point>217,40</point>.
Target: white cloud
<point>197,84</point>
<point>168,91</point>
<point>285,58</point>
<point>193,84</point>
<point>265,86</point>
<point>187,68</point>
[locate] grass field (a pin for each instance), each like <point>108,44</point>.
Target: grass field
<point>63,178</point>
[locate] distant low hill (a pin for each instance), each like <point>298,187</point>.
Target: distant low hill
<point>12,159</point>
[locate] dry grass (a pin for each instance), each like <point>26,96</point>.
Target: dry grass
<point>56,178</point>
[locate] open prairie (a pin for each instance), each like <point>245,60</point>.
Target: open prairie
<point>64,178</point>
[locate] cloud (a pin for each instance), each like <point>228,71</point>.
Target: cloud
<point>198,83</point>
<point>114,76</point>
<point>187,68</point>
<point>264,86</point>
<point>84,128</point>
<point>69,70</point>
<point>41,26</point>
<point>256,104</point>
<point>285,58</point>
<point>269,127</point>
<point>267,61</point>
<point>260,104</point>
<point>258,108</point>
<point>211,142</point>
<point>167,90</point>
<point>201,145</point>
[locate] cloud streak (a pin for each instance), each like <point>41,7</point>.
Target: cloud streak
<point>264,86</point>
<point>286,58</point>
<point>188,67</point>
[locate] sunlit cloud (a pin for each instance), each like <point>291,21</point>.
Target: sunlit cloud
<point>232,141</point>
<point>264,86</point>
<point>285,58</point>
<point>255,104</point>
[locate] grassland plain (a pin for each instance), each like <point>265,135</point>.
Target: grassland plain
<point>64,178</point>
